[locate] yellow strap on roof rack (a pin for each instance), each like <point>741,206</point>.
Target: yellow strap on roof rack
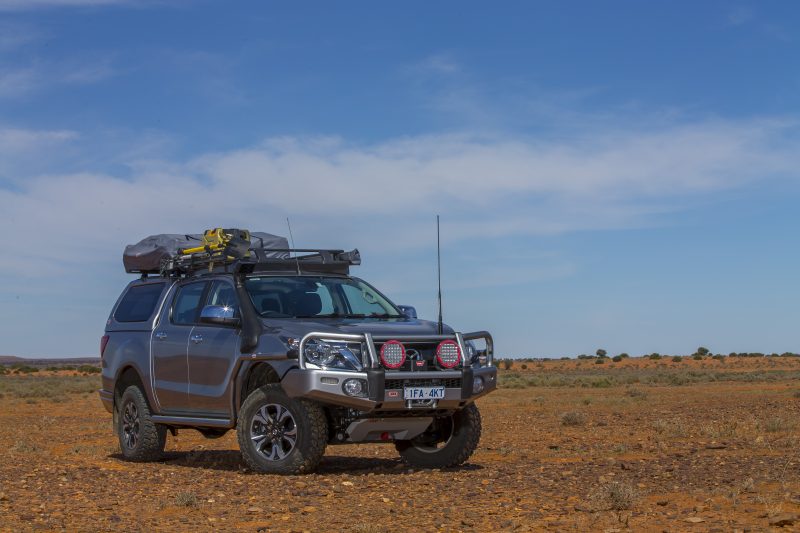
<point>217,239</point>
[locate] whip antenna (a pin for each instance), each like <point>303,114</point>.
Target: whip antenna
<point>296,260</point>
<point>439,272</point>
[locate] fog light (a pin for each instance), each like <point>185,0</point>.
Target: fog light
<point>354,387</point>
<point>477,385</point>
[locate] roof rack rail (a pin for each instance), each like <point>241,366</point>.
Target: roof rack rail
<point>313,261</point>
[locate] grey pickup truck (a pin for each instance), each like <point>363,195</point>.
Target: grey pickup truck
<point>295,354</point>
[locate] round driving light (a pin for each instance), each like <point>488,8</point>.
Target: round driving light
<point>477,385</point>
<point>448,354</point>
<point>353,387</point>
<point>393,354</point>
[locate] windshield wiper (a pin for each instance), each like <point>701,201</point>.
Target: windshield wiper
<point>351,315</point>
<point>327,315</point>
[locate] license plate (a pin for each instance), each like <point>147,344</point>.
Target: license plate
<point>423,393</point>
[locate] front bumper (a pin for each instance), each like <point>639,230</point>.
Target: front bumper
<point>384,390</point>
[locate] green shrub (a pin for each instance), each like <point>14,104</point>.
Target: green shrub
<point>600,360</point>
<point>655,356</point>
<point>624,355</point>
<point>89,369</point>
<point>617,358</point>
<point>697,357</point>
<point>677,359</point>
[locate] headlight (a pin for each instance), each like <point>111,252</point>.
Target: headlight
<point>336,355</point>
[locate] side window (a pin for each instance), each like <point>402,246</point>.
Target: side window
<point>187,300</point>
<point>223,293</point>
<point>139,303</point>
<point>362,302</point>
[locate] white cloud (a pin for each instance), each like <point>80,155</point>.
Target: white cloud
<point>13,36</point>
<point>442,64</point>
<point>24,81</point>
<point>740,15</point>
<point>15,140</point>
<point>22,150</point>
<point>15,82</point>
<point>384,194</point>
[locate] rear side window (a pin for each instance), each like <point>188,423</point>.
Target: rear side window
<point>139,303</point>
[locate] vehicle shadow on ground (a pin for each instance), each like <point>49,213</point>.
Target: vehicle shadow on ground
<point>231,461</point>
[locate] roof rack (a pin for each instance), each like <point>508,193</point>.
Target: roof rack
<point>313,261</point>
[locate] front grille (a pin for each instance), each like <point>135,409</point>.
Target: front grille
<point>449,383</point>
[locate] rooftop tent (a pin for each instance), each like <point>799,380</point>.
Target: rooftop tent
<point>147,255</point>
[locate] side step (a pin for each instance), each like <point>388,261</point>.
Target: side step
<point>193,421</point>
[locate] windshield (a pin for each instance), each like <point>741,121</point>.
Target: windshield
<point>317,297</point>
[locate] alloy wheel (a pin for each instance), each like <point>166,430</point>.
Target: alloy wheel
<point>273,432</point>
<point>130,425</point>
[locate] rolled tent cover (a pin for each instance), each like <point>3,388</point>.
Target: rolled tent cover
<point>147,254</point>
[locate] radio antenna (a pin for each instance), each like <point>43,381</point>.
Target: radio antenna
<point>439,272</point>
<point>296,260</point>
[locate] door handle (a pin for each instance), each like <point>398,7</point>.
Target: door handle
<point>197,339</point>
<point>161,335</point>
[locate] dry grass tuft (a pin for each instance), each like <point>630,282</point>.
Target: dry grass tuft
<point>186,499</point>
<point>726,429</point>
<point>777,424</point>
<point>634,392</point>
<point>613,496</point>
<point>573,418</point>
<point>670,428</point>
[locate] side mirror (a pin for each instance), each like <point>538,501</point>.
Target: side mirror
<point>408,311</point>
<point>219,315</point>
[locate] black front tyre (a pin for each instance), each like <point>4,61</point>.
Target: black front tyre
<point>448,442</point>
<point>281,435</point>
<point>140,439</point>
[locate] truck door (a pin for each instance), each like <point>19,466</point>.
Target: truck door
<point>213,351</point>
<point>170,347</point>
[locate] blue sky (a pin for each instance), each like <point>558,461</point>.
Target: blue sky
<point>620,175</point>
